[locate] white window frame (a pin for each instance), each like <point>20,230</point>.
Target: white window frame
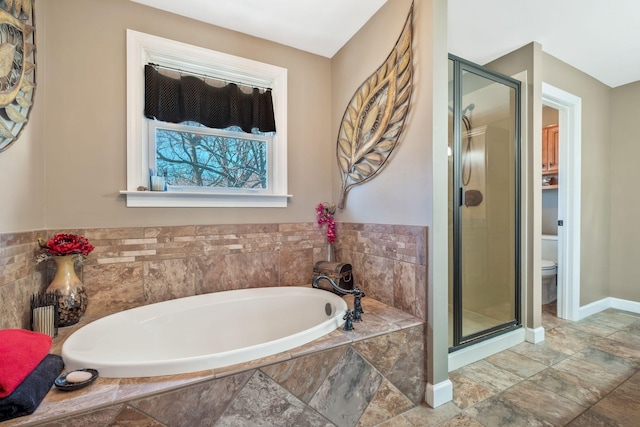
<point>143,49</point>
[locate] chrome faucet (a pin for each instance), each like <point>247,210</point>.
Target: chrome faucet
<point>352,315</point>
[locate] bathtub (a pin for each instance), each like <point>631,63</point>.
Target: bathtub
<point>203,332</point>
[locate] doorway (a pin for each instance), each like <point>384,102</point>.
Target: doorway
<point>569,109</point>
<point>549,212</point>
<point>484,204</point>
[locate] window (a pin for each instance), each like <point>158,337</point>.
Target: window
<point>204,167</point>
<point>195,158</point>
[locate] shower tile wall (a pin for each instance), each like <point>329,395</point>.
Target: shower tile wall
<point>141,265</point>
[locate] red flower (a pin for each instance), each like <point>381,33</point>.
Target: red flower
<point>67,244</point>
<point>324,212</point>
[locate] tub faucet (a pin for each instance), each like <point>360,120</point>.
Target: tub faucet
<point>354,314</point>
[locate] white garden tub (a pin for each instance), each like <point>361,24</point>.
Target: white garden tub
<point>203,331</point>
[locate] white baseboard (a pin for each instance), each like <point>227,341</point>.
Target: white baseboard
<point>593,308</point>
<point>534,336</point>
<point>439,394</point>
<point>473,353</point>
<point>609,302</point>
<point>626,305</point>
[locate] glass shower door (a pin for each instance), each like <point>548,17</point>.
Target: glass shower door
<point>484,201</point>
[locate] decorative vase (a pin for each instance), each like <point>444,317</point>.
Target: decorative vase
<point>72,299</point>
<point>331,252</point>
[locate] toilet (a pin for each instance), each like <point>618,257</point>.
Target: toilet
<point>549,268</point>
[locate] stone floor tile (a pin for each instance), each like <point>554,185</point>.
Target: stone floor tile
<point>551,309</point>
<point>516,363</point>
<point>462,420</point>
<point>633,328</point>
<point>611,362</point>
<point>489,375</point>
<point>541,352</point>
<point>500,412</point>
<point>623,404</point>
<point>399,421</point>
<point>603,379</point>
<point>549,318</point>
<point>591,419</point>
<point>593,327</point>
<point>543,404</point>
<point>617,319</point>
<point>568,385</point>
<point>425,416</point>
<point>568,340</point>
<point>626,337</point>
<point>619,349</point>
<point>467,392</point>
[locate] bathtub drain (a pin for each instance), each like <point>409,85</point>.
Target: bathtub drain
<point>328,309</point>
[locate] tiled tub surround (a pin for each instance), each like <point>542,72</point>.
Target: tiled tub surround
<point>141,265</point>
<point>356,378</point>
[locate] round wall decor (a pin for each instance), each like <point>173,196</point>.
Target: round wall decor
<point>17,68</point>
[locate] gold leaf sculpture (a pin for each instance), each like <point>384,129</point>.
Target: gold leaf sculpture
<point>375,117</point>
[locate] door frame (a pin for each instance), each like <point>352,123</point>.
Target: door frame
<point>569,107</point>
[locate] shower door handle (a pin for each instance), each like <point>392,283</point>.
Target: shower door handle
<point>560,223</point>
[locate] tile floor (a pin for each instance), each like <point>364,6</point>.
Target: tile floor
<point>586,373</point>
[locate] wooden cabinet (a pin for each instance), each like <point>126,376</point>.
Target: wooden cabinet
<point>550,149</point>
<point>550,157</point>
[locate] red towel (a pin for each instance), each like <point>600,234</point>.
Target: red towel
<point>20,352</point>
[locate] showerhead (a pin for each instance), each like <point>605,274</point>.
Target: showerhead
<point>469,107</point>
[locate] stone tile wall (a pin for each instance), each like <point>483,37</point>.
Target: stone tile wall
<point>141,265</point>
<point>19,278</point>
<point>360,384</point>
<point>389,263</point>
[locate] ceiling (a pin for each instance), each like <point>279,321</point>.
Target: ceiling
<point>317,26</point>
<point>600,38</point>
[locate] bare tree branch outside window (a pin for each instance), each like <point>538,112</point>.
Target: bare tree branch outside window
<point>205,160</point>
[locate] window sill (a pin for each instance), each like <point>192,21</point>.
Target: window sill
<point>171,199</point>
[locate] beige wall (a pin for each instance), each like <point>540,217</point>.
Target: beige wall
<point>625,205</point>
<point>86,125</point>
<point>596,171</point>
<point>22,165</point>
<point>400,193</point>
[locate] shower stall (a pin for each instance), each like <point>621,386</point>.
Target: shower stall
<point>484,203</point>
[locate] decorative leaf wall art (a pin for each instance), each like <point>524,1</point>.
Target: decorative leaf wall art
<point>17,68</point>
<point>375,117</point>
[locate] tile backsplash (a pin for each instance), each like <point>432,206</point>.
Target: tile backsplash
<point>141,265</point>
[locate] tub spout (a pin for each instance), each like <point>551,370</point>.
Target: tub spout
<point>356,313</point>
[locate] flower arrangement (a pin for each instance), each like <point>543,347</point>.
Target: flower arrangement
<point>325,212</point>
<point>64,244</point>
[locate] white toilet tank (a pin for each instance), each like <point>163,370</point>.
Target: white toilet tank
<point>550,247</point>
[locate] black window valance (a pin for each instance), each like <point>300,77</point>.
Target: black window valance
<point>191,99</point>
